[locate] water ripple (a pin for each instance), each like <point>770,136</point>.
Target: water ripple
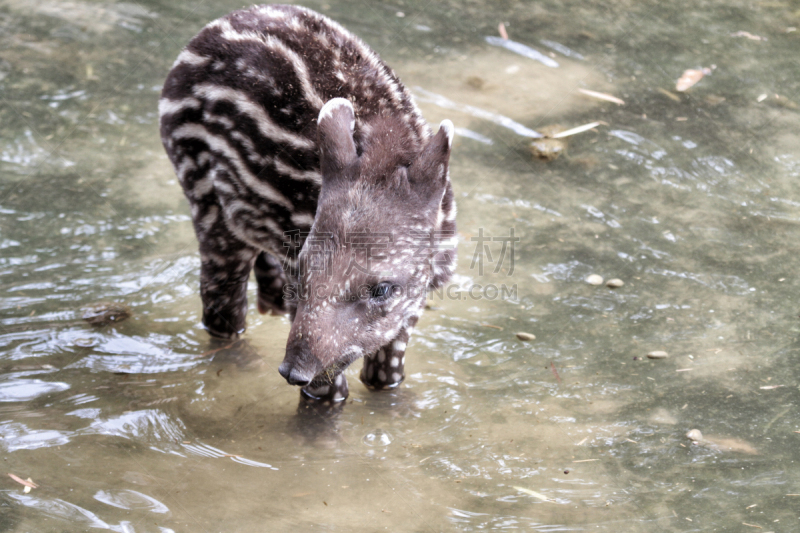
<point>130,500</point>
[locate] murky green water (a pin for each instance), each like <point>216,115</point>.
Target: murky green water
<point>691,199</point>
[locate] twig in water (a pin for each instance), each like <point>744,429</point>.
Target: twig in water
<point>215,350</point>
<point>555,372</point>
<point>21,481</point>
<point>602,96</point>
<point>501,29</point>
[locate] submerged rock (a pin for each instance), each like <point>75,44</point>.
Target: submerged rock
<point>105,313</point>
<point>548,149</point>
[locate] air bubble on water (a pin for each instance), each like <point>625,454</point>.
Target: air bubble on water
<point>377,437</point>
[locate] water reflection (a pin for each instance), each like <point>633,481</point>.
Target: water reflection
<point>131,500</point>
<point>18,436</point>
<point>71,513</point>
<point>23,390</point>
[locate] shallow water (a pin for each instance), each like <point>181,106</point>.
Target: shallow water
<point>691,199</point>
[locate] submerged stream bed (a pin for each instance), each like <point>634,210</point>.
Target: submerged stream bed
<point>691,198</point>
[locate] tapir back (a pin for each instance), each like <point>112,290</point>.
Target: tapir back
<point>244,96</point>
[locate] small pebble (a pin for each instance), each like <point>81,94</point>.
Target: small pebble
<point>525,336</point>
<point>614,283</point>
<point>658,354</point>
<point>594,279</point>
<point>695,435</point>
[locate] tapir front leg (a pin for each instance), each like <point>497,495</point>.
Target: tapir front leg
<point>225,264</point>
<point>271,280</point>
<point>386,368</point>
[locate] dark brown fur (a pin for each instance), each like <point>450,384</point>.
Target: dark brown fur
<point>260,159</point>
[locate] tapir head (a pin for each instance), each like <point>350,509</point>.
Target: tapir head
<point>366,266</point>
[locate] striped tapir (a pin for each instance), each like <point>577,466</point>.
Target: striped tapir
<point>305,159</point>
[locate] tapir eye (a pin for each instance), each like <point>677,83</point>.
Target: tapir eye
<point>382,291</point>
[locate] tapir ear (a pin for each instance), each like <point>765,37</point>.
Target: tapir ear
<point>428,173</point>
<point>335,126</point>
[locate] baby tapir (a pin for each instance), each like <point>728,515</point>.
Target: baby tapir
<point>305,159</point>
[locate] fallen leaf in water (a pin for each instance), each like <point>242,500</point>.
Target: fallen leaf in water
<point>21,481</point>
<point>748,35</point>
<point>671,96</point>
<point>782,101</point>
<point>722,443</point>
<point>602,96</point>
<point>535,494</point>
<point>690,78</point>
<point>555,372</point>
<point>501,29</point>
